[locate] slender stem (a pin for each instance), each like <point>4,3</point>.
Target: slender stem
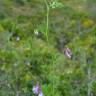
<point>53,74</point>
<point>47,19</point>
<point>89,81</point>
<point>47,29</point>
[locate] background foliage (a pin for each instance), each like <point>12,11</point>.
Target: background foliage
<point>26,57</point>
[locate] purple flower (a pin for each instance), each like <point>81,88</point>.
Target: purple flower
<point>40,94</point>
<point>68,53</point>
<point>37,90</point>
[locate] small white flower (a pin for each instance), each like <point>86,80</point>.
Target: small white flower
<point>17,38</point>
<point>56,4</point>
<point>27,63</point>
<point>36,32</point>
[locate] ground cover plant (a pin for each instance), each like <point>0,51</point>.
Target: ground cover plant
<point>47,48</point>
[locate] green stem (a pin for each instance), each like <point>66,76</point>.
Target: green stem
<point>53,74</point>
<point>89,81</point>
<point>47,19</point>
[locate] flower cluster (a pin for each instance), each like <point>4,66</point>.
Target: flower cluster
<point>68,53</point>
<point>37,90</point>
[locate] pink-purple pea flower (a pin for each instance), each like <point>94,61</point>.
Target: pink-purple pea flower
<point>68,53</point>
<point>37,90</point>
<point>40,94</point>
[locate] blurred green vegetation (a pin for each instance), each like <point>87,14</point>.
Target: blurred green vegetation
<point>26,57</point>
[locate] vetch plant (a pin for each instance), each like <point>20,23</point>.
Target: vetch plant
<point>37,90</point>
<point>68,53</point>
